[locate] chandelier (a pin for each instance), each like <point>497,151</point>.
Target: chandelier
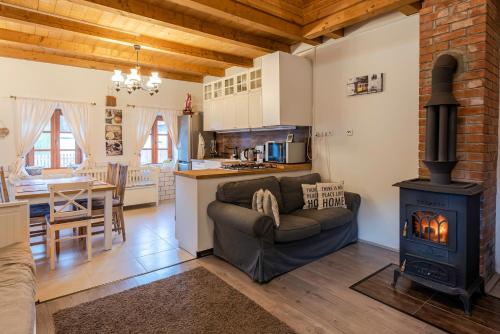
<point>134,81</point>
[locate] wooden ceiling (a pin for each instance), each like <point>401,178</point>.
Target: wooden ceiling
<point>181,39</point>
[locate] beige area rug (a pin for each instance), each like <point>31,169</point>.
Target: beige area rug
<point>192,302</point>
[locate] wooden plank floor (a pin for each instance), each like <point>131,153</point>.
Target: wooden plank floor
<point>312,299</point>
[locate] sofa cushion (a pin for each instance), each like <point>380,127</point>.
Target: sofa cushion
<point>17,289</point>
<point>241,192</point>
<point>294,228</point>
<point>328,218</point>
<point>291,190</point>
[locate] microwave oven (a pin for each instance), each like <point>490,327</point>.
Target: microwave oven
<point>284,152</point>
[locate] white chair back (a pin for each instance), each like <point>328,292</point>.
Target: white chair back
<point>66,194</point>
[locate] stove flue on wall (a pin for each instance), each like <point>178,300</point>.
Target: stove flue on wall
<point>441,131</point>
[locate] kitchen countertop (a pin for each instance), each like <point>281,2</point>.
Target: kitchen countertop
<point>218,173</point>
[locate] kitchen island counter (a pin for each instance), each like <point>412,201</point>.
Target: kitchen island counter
<point>218,173</point>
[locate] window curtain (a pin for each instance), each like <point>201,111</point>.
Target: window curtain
<point>145,120</point>
<point>77,116</point>
<point>31,117</point>
<point>170,117</point>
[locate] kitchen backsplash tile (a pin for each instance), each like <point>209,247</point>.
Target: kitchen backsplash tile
<point>227,141</point>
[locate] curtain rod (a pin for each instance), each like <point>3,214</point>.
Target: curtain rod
<point>36,98</point>
<point>151,107</point>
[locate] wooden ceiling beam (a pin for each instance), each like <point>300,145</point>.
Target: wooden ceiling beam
<point>248,16</point>
<point>352,15</point>
<point>411,9</point>
<point>335,34</point>
<point>55,22</point>
<point>153,13</point>
<point>11,52</point>
<point>290,10</point>
<point>107,50</point>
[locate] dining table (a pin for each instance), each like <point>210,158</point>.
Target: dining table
<point>35,191</point>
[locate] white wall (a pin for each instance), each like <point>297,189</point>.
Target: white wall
<point>33,79</point>
<point>384,147</point>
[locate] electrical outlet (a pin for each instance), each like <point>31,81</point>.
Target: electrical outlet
<point>349,132</point>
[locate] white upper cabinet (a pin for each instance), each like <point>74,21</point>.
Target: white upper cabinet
<point>255,109</point>
<point>255,79</point>
<point>229,88</point>
<point>242,83</point>
<point>276,94</point>
<point>217,89</point>
<point>212,106</point>
<point>286,90</point>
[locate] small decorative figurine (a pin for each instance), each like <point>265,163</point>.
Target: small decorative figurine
<point>188,108</point>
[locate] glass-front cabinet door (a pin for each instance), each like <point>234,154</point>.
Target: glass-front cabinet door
<point>217,89</point>
<point>255,79</point>
<point>242,83</point>
<point>207,92</point>
<point>229,86</point>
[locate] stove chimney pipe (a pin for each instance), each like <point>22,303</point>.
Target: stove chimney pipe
<point>441,131</point>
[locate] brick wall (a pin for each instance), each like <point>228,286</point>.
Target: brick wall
<point>469,30</point>
<point>166,186</point>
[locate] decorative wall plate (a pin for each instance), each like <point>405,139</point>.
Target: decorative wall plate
<point>4,132</point>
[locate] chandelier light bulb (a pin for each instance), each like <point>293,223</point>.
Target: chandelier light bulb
<point>155,78</point>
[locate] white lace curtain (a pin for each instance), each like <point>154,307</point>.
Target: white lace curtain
<point>145,120</point>
<point>170,117</point>
<point>77,115</point>
<point>33,115</point>
<point>146,117</point>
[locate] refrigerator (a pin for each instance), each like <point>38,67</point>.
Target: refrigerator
<point>190,127</point>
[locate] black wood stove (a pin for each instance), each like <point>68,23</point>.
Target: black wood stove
<point>439,218</point>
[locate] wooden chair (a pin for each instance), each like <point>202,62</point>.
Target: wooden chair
<point>67,213</point>
<point>120,182</point>
<point>112,173</point>
<point>4,194</point>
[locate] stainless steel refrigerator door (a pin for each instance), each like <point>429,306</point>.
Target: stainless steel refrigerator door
<point>184,138</point>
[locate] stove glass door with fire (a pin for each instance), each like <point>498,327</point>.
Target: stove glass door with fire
<point>431,226</point>
<point>428,241</point>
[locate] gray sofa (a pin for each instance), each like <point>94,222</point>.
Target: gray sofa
<point>248,239</point>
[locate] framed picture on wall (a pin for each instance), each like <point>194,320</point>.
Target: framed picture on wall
<point>366,84</point>
<point>113,134</point>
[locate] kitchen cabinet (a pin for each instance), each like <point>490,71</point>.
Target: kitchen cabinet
<point>255,109</point>
<point>279,93</point>
<point>286,90</point>
<point>212,106</point>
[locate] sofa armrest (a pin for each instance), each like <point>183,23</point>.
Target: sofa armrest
<point>353,201</point>
<point>14,223</point>
<point>244,220</point>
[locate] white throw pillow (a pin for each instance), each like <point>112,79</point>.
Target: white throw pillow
<point>331,195</point>
<point>258,201</point>
<point>310,194</point>
<point>271,207</point>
